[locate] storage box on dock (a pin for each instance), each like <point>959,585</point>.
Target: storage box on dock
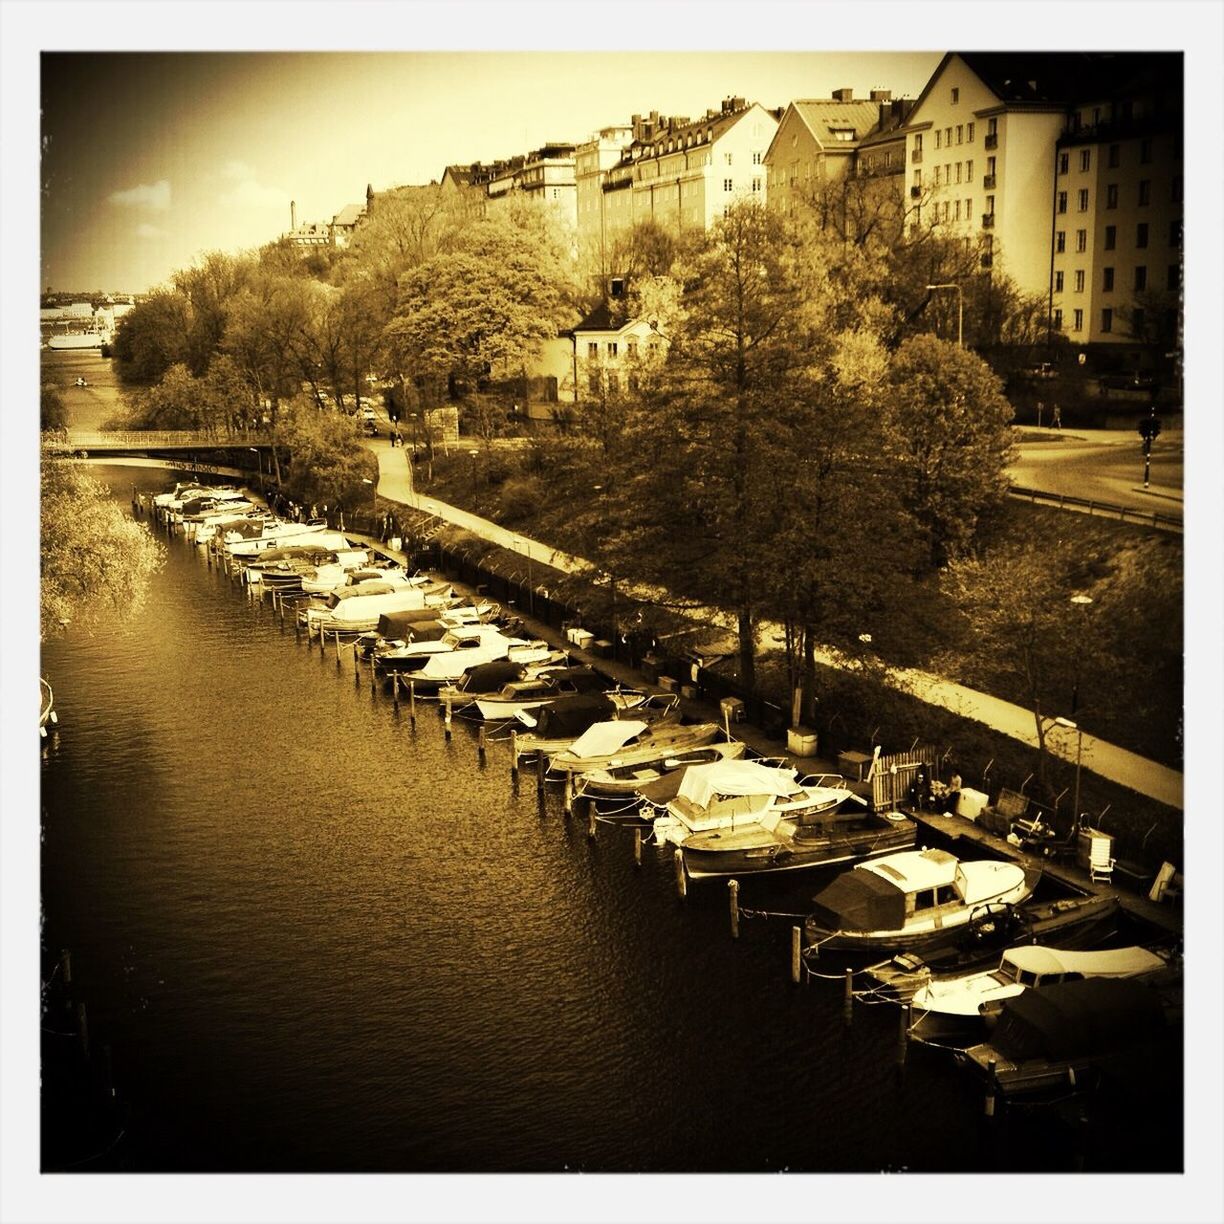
<point>801,742</point>
<point>732,709</point>
<point>582,638</point>
<point>602,649</point>
<point>853,766</point>
<point>971,803</point>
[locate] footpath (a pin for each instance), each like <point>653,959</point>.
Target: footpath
<point>1107,760</point>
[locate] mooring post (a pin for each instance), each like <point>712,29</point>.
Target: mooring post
<point>590,806</point>
<point>567,804</point>
<point>514,755</point>
<point>681,877</point>
<point>990,1089</point>
<point>903,1036</point>
<point>394,686</point>
<point>796,954</point>
<point>540,764</point>
<point>282,613</point>
<point>637,847</point>
<point>480,741</point>
<point>848,999</point>
<point>733,892</point>
<point>447,720</point>
<point>338,650</point>
<point>412,702</point>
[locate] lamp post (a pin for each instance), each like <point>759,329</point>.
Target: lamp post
<point>1079,756</point>
<point>960,311</point>
<point>373,502</point>
<point>259,461</point>
<point>1084,602</point>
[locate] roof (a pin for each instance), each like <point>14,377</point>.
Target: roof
<point>717,126</point>
<point>349,214</point>
<point>822,115</point>
<point>914,869</point>
<point>1109,962</point>
<point>606,737</point>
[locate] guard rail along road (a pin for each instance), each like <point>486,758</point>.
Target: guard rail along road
<point>1084,505</point>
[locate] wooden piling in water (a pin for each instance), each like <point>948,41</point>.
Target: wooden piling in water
<point>637,847</point>
<point>338,650</point>
<point>796,954</point>
<point>514,755</point>
<point>412,702</point>
<point>848,999</point>
<point>590,806</point>
<point>540,764</point>
<point>903,1036</point>
<point>733,896</point>
<point>989,1107</point>
<point>567,803</point>
<point>480,740</point>
<point>681,875</point>
<point>446,725</point>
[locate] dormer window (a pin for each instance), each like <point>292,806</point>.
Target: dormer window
<point>842,133</point>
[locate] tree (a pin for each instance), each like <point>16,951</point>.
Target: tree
<point>226,397</point>
<point>95,560</point>
<point>53,415</point>
<point>210,285</point>
<point>174,403</point>
<point>951,433</point>
<point>152,337</point>
<point>328,463</point>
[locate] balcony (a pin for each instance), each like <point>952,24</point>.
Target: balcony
<point>916,157</point>
<point>988,220</point>
<point>988,183</point>
<point>992,140</point>
<point>915,193</point>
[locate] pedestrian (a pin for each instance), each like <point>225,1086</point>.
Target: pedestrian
<point>1056,419</point>
<point>952,798</point>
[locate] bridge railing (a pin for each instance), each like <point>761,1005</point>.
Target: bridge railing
<point>162,439</point>
<point>1084,505</point>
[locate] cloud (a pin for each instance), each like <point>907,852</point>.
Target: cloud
<point>147,195</point>
<point>145,230</point>
<point>238,171</point>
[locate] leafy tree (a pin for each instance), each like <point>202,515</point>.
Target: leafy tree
<point>951,433</point>
<point>210,285</point>
<point>174,403</point>
<point>226,398</point>
<point>95,560</point>
<point>53,415</point>
<point>152,337</point>
<point>328,463</point>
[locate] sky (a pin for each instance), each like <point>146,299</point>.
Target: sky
<point>149,159</point>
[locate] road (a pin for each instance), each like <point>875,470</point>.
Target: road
<point>1104,465</point>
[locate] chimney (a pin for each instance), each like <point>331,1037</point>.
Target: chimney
<point>292,215</point>
<point>843,95</point>
<point>881,95</point>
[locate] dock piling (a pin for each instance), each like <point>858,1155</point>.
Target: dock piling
<point>412,702</point>
<point>796,954</point>
<point>681,876</point>
<point>394,688</point>
<point>903,1036</point>
<point>481,747</point>
<point>990,1089</point>
<point>514,756</point>
<point>567,804</point>
<point>446,727</point>
<point>590,806</point>
<point>540,765</point>
<point>733,894</point>
<point>637,847</point>
<point>848,999</point>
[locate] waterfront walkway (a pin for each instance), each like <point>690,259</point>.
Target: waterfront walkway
<point>1107,760</point>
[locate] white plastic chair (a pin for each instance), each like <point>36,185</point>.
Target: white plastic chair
<point>1100,862</point>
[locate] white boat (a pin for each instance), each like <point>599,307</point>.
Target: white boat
<point>440,670</point>
<point>46,709</point>
<point>278,533</point>
<point>727,794</point>
<point>545,687</point>
<point>656,780</point>
<point>629,741</point>
<point>952,1008</point>
<point>359,612</point>
<point>916,900</point>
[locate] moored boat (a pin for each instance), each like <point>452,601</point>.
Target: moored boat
<point>629,741</point>
<point>913,900</point>
<point>653,779</point>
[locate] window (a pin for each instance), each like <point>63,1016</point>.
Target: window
<point>728,184</point>
<point>969,133</point>
<point>1079,280</point>
<point>1060,240</point>
<point>592,350</point>
<point>990,209</point>
<point>1140,278</point>
<point>955,96</point>
<point>948,137</point>
<point>613,382</point>
<point>1107,319</point>
<point>1107,285</point>
<point>968,210</point>
<point>960,133</point>
<point>593,383</point>
<point>756,159</point>
<point>1137,317</point>
<point>992,127</point>
<point>958,172</point>
<point>1062,201</point>
<point>1083,199</point>
<point>917,180</point>
<point>1145,151</point>
<point>1174,281</point>
<point>1141,235</point>
<point>918,143</point>
<point>968,172</point>
<point>938,138</point>
<point>1145,191</point>
<point>1058,282</point>
<point>611,348</point>
<point>633,382</point>
<point>1077,321</point>
<point>1085,159</point>
<point>956,217</point>
<point>937,176</point>
<point>1081,240</point>
<point>1111,195</point>
<point>1175,233</point>
<point>1111,237</point>
<point>1064,163</point>
<point>1058,320</point>
<point>1115,153</point>
<point>631,349</point>
<point>727,156</point>
<point>756,184</point>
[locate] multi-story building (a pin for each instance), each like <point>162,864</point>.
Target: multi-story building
<point>609,353</point>
<point>545,175</point>
<point>1068,167</point>
<point>592,160</point>
<point>679,173</point>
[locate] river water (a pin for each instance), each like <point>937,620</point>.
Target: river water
<point>317,939</point>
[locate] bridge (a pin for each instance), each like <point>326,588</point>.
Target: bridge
<point>153,441</point>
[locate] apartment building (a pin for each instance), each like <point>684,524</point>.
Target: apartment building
<point>545,175</point>
<point>679,172</point>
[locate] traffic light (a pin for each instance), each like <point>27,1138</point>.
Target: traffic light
<point>1149,428</point>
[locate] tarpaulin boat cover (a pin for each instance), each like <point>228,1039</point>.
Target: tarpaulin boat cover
<point>573,715</point>
<point>411,626</point>
<point>704,783</point>
<point>393,599</point>
<point>1070,1018</point>
<point>489,677</point>
<point>606,737</point>
<point>358,592</point>
<point>860,901</point>
<point>575,679</point>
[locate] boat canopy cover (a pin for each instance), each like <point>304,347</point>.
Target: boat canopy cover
<point>410,625</point>
<point>860,901</point>
<point>360,590</point>
<point>1069,1018</point>
<point>379,597</point>
<point>572,715</point>
<point>577,679</point>
<point>606,737</point>
<point>704,783</point>
<point>1105,962</point>
<point>488,677</point>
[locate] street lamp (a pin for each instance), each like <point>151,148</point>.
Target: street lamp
<point>1079,756</point>
<point>259,461</point>
<point>1085,602</point>
<point>373,496</point>
<point>960,311</point>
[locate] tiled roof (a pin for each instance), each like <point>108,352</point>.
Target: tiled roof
<point>821,115</point>
<point>349,214</point>
<point>600,319</point>
<point>717,125</point>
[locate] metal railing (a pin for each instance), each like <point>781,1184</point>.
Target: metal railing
<point>154,439</point>
<point>1085,505</point>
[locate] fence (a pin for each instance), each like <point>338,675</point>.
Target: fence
<point>155,439</point>
<point>1083,505</point>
